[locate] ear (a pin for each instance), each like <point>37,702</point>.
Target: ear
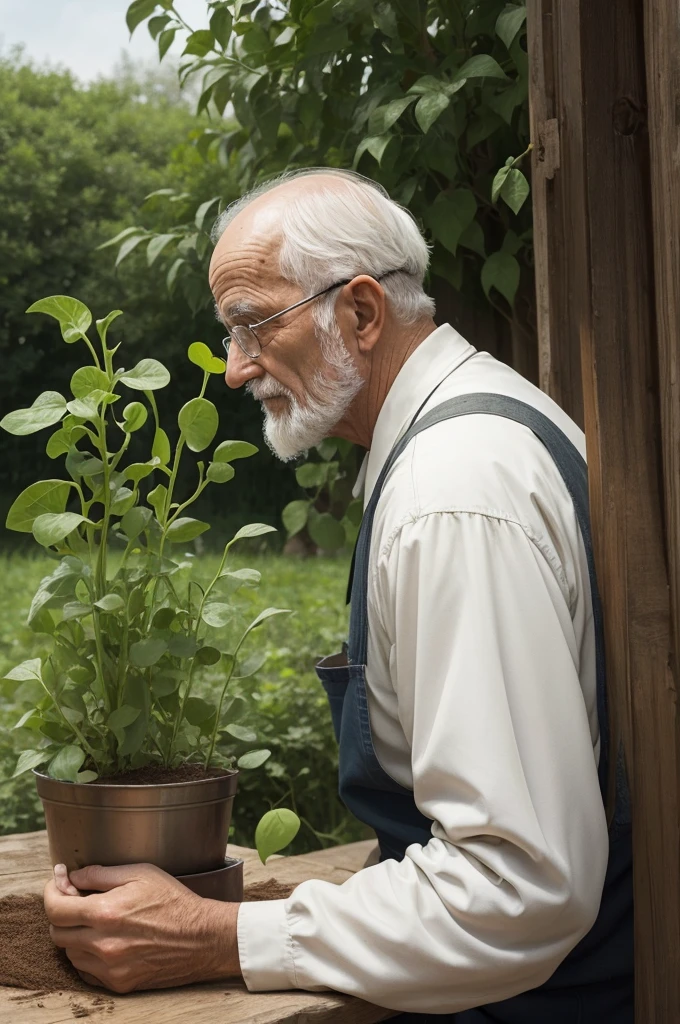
<point>361,305</point>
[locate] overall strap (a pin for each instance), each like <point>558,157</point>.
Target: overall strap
<point>574,471</point>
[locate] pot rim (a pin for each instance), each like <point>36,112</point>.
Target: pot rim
<point>224,773</point>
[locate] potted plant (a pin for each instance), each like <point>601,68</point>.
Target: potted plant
<point>130,760</point>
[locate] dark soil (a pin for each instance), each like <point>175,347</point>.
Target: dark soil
<point>30,960</point>
<point>158,775</point>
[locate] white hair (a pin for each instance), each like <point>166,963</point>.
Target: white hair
<point>332,234</point>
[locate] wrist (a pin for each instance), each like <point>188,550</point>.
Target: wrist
<point>221,957</point>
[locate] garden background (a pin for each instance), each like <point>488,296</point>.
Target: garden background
<point>108,191</point>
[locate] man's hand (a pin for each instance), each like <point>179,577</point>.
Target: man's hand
<point>141,929</point>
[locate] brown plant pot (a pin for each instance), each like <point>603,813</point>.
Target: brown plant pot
<point>181,827</point>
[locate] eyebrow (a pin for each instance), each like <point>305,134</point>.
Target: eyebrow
<point>235,310</point>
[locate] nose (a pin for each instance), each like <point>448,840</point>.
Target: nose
<point>241,368</point>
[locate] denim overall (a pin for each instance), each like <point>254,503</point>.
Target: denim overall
<point>594,984</point>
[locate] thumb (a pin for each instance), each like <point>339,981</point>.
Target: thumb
<point>100,879</point>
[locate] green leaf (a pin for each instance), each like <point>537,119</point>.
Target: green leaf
<point>199,43</point>
<point>202,211</point>
<point>200,355</point>
<point>165,41</point>
<point>110,603</point>
<point>67,763</point>
<point>138,11</point>
<point>449,216</point>
<point>250,665</point>
<point>134,417</point>
<point>251,577</point>
<point>88,379</point>
<point>75,610</point>
<point>208,656</point>
<point>498,182</point>
<point>157,24</point>
<point>241,732</point>
<point>217,614</point>
<point>85,777</point>
<point>125,233</point>
<point>30,759</point>
<point>501,271</point>
<point>129,245</point>
<point>253,530</point>
<point>27,671</point>
<point>509,22</point>
<point>198,420</point>
<point>515,189</point>
<point>275,829</point>
<point>51,527</point>
<point>156,246</point>
<point>185,529</point>
<point>220,472</point>
<point>327,532</point>
<point>373,144</point>
<point>384,117</point>
<point>312,474</point>
<point>253,759</point>
<point>47,409</point>
<point>148,375</point>
<point>120,719</point>
<point>39,498</point>
<point>161,447</point>
<point>147,652</point>
<point>294,516</point>
<point>268,613</point>
<point>197,710</point>
<point>172,273</point>
<point>137,471</point>
<point>220,25</point>
<point>429,108</point>
<point>181,646</point>
<point>74,317</point>
<point>473,238</point>
<point>122,501</point>
<point>229,451</point>
<point>156,498</point>
<point>481,66</point>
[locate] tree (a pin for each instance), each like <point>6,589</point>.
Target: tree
<point>429,97</point>
<point>75,166</point>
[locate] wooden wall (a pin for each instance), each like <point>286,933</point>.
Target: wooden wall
<point>605,98</point>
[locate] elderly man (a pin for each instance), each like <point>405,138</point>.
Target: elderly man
<point>470,710</point>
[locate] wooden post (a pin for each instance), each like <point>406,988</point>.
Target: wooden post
<point>596,286</point>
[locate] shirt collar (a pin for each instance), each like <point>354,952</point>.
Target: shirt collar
<point>434,359</point>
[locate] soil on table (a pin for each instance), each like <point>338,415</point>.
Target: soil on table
<point>159,775</point>
<point>30,960</point>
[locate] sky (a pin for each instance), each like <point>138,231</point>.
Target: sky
<point>86,36</point>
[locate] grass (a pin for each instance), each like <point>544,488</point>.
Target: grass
<point>286,704</point>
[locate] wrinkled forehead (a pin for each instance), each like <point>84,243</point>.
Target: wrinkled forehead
<point>248,249</point>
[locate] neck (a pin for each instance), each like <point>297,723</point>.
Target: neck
<point>382,367</point>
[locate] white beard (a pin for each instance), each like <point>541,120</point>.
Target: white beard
<point>291,433</point>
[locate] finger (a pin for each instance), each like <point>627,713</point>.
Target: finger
<point>63,882</point>
<point>101,879</point>
<point>65,912</point>
<point>89,967</point>
<point>80,939</point>
<point>89,979</point>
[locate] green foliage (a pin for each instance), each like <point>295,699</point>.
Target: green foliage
<point>115,690</point>
<point>75,165</point>
<point>275,692</point>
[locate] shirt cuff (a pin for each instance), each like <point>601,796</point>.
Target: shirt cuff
<point>265,946</point>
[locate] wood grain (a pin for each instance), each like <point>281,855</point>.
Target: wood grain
<point>614,296</point>
<point>25,867</point>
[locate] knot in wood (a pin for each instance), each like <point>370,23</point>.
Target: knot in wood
<point>628,117</point>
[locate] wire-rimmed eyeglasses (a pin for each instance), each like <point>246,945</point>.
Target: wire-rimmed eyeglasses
<point>244,334</point>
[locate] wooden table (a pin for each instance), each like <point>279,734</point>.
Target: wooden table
<point>24,868</point>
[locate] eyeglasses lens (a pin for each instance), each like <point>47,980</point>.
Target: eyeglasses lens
<point>245,339</point>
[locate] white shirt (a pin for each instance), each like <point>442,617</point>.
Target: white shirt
<point>481,691</point>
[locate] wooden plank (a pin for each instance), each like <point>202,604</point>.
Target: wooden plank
<point>613,308</point>
<point>661,989</point>
<point>25,866</point>
<point>558,196</point>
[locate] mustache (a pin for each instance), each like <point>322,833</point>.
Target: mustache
<point>267,387</point>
